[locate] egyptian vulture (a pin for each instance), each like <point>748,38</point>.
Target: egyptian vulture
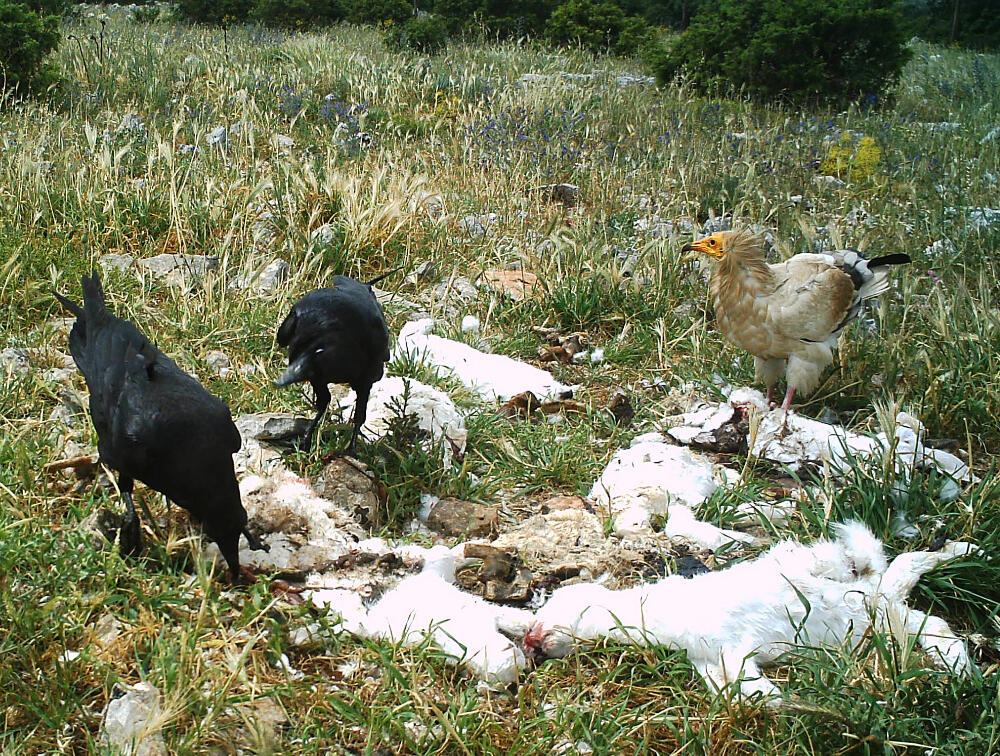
<point>788,315</point>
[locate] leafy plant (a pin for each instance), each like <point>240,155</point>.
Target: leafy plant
<point>27,34</point>
<point>802,50</point>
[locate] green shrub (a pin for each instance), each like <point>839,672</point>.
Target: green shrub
<point>27,35</point>
<point>589,24</point>
<point>425,34</point>
<point>801,50</point>
<point>375,11</point>
<point>970,23</point>
<point>298,14</point>
<point>214,11</point>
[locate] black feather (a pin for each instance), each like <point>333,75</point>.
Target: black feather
<point>336,335</point>
<point>157,424</point>
<point>898,258</point>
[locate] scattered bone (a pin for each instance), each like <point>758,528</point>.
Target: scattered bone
<point>491,376</point>
<point>81,466</point>
<point>621,408</point>
<point>131,721</point>
<point>435,412</point>
<point>561,347</point>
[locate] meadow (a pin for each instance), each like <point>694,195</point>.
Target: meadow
<point>334,130</point>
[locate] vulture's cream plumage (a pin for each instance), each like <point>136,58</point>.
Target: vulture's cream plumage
<point>789,315</point>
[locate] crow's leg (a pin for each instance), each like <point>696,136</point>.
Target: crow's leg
<point>322,402</point>
<point>130,535</point>
<point>254,542</point>
<point>360,415</point>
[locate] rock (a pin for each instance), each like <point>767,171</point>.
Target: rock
<point>431,203</point>
<point>14,361</point>
<point>115,262</point>
<point>264,719</point>
<point>131,723</point>
<point>263,428</point>
<point>325,234</point>
<point>625,80</point>
<point>264,281</point>
<point>106,630</point>
<point>477,226</point>
<point>423,273</point>
<point>218,362</point>
<point>102,525</point>
<point>462,519</point>
<point>390,300</point>
<point>349,484</point>
<point>274,427</point>
<point>459,288</point>
<point>515,284</point>
<point>182,268</point>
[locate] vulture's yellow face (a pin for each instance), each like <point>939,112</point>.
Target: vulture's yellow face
<point>713,246</point>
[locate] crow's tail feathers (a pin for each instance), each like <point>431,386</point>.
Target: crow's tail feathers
<point>70,305</point>
<point>382,277</point>
<point>297,371</point>
<point>93,298</point>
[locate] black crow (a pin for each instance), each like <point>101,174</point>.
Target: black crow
<point>336,335</point>
<point>157,424</point>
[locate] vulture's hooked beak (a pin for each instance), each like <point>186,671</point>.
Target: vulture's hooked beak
<point>710,245</point>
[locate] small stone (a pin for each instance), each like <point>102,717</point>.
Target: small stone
<point>423,273</point>
<point>273,427</point>
<point>218,362</point>
<point>474,226</point>
<point>515,284</point>
<point>115,262</point>
<point>163,265</point>
<point>267,280</point>
<point>462,519</point>
<point>130,719</point>
<point>15,361</point>
<point>325,234</point>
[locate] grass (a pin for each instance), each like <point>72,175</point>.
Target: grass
<point>117,162</point>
